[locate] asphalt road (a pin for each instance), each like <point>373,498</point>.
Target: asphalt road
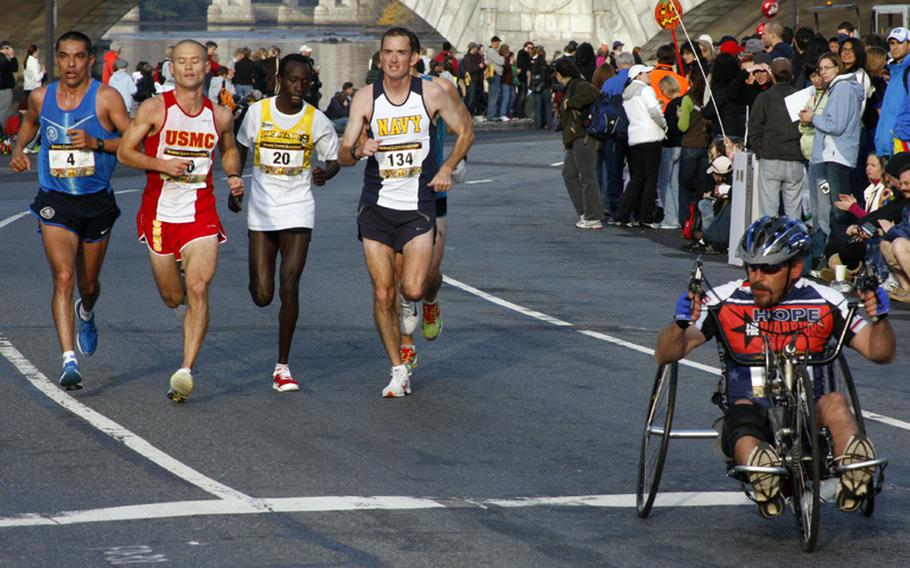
<point>518,447</point>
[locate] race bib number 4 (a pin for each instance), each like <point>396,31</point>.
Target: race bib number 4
<point>283,161</point>
<point>66,161</point>
<point>399,160</point>
<point>196,173</point>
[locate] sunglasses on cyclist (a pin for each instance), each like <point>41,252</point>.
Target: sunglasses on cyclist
<point>767,268</point>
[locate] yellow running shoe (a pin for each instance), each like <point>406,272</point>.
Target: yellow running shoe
<point>432,321</point>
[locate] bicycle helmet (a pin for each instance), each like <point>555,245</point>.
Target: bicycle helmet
<point>773,240</point>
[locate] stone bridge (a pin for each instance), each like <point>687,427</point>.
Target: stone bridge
<point>551,22</point>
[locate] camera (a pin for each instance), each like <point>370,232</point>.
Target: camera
<point>868,229</point>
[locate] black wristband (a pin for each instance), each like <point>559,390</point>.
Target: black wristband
<point>354,152</point>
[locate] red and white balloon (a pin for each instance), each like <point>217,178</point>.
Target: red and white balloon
<point>760,29</point>
<point>770,8</point>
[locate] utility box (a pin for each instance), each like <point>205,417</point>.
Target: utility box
<point>743,200</point>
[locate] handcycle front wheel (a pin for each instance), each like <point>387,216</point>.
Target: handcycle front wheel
<point>805,467</point>
<point>655,437</point>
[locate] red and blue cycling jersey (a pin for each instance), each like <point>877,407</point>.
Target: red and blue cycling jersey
<point>809,315</point>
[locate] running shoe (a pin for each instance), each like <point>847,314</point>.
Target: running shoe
<point>854,484</point>
<point>409,357</point>
<point>70,377</point>
<point>283,381</point>
<point>407,316</point>
<point>589,224</point>
<point>87,338</point>
<point>432,321</point>
<point>400,385</point>
<point>181,386</point>
<point>766,486</point>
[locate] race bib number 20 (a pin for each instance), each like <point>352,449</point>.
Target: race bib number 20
<point>66,161</point>
<point>282,161</point>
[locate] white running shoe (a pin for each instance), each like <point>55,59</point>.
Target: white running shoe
<point>282,381</point>
<point>181,385</point>
<point>408,319</point>
<point>400,385</point>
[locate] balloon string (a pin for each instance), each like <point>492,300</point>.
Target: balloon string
<point>697,53</point>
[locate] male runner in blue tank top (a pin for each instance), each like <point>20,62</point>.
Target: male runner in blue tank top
<point>81,120</point>
<point>397,208</point>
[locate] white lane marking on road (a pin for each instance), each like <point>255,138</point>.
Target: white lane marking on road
<point>505,303</point>
<point>177,509</point>
<point>116,431</point>
<point>122,191</point>
<point>556,164</point>
<point>627,344</point>
<point>15,217</point>
<point>473,181</point>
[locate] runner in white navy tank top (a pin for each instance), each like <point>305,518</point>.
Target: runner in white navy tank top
<point>283,132</point>
<point>75,205</point>
<point>408,316</point>
<point>178,132</point>
<point>392,124</point>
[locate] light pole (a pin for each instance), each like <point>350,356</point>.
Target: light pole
<point>50,21</point>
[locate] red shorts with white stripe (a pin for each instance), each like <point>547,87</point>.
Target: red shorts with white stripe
<point>166,239</point>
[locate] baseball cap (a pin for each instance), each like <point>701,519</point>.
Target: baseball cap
<point>617,44</point>
<point>781,64</point>
<point>494,38</point>
<point>731,47</point>
<point>305,48</point>
<point>637,70</point>
<point>900,34</point>
<point>755,45</point>
<point>707,38</point>
<point>721,165</point>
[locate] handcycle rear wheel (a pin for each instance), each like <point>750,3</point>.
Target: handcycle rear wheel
<point>805,475</point>
<point>655,437</point>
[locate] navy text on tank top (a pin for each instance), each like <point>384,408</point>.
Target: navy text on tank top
<point>397,176</point>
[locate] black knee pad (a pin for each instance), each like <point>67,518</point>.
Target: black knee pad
<point>744,420</point>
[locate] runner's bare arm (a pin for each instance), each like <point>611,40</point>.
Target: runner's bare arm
<point>149,116</point>
<point>352,149</point>
<point>230,156</point>
<point>440,101</point>
<point>114,114</point>
<point>27,130</point>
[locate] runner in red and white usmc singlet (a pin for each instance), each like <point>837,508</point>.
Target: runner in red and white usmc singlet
<point>173,138</point>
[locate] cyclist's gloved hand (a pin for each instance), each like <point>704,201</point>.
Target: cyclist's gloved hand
<point>882,303</point>
<point>683,313</point>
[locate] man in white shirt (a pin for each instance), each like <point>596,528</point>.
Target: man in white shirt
<point>124,83</point>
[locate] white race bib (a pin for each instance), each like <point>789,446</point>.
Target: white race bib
<point>196,173</point>
<point>66,161</point>
<point>282,162</point>
<point>399,160</point>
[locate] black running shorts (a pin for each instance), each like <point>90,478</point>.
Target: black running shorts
<point>392,227</point>
<point>90,216</point>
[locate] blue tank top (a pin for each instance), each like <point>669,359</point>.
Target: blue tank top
<point>440,140</point>
<point>60,166</point>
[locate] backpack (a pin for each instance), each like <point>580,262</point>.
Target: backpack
<point>608,117</point>
<point>225,99</point>
<point>691,228</point>
<point>604,119</point>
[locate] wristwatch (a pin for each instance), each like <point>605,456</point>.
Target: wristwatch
<point>99,145</point>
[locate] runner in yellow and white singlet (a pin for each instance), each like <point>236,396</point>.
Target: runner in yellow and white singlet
<point>283,132</point>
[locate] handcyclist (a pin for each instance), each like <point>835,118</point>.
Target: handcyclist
<point>82,121</point>
<point>773,301</point>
